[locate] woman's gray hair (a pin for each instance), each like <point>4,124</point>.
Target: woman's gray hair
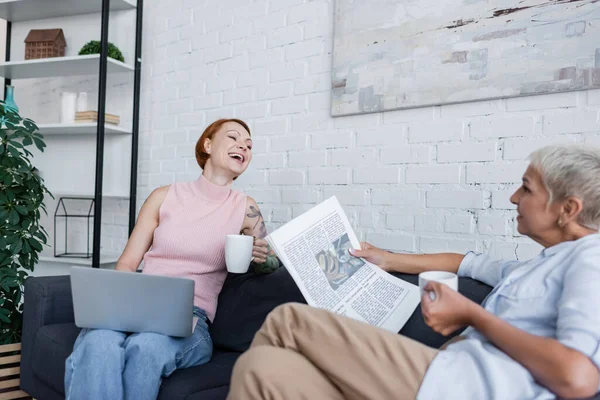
<point>570,170</point>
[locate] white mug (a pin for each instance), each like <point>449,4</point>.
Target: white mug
<point>238,253</point>
<point>447,278</point>
<point>68,105</point>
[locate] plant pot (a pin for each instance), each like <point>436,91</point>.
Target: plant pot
<point>10,368</point>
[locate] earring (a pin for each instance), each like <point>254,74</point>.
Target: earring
<point>559,223</point>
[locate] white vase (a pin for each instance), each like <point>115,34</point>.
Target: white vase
<point>82,102</point>
<point>68,105</point>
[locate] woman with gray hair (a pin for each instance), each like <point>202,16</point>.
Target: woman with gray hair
<point>536,336</point>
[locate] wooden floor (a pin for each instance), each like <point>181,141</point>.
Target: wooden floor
<point>10,360</point>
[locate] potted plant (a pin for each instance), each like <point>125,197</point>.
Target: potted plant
<point>21,235</point>
<point>93,47</point>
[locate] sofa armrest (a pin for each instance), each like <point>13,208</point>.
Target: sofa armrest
<point>47,301</point>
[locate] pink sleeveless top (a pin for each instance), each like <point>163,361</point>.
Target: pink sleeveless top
<point>189,241</point>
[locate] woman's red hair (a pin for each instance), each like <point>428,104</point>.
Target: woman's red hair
<point>201,155</point>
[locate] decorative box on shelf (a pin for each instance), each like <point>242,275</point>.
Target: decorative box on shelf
<point>92,116</point>
<point>45,43</point>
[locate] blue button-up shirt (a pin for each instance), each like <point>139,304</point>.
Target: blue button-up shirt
<point>554,295</point>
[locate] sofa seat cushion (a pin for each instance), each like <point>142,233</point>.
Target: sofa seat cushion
<point>206,381</point>
<point>54,344</point>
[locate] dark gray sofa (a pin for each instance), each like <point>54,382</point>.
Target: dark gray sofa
<point>49,332</point>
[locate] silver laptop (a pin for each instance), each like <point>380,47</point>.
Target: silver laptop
<point>132,302</point>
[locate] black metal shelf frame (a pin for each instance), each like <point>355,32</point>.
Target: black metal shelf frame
<point>100,135</point>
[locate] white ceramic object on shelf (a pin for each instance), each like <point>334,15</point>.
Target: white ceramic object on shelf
<point>82,102</point>
<point>68,106</point>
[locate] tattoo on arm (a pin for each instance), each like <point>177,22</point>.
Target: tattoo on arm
<point>260,222</point>
<point>260,231</point>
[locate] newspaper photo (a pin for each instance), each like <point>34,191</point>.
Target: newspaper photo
<point>314,248</point>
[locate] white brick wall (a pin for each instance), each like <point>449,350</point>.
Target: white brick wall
<point>423,180</point>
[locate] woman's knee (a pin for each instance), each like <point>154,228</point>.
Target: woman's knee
<point>149,347</point>
<point>286,313</point>
<point>101,342</point>
<point>258,363</point>
<point>145,341</point>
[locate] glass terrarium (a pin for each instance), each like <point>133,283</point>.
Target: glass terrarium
<point>73,227</point>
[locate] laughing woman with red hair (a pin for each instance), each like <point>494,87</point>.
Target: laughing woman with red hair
<point>180,232</point>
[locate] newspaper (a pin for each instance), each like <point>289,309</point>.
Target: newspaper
<point>314,248</point>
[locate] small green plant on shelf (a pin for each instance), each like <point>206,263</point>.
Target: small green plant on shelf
<point>93,47</point>
<point>22,237</point>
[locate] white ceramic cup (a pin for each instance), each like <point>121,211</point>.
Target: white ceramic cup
<point>447,278</point>
<point>68,105</point>
<point>238,253</point>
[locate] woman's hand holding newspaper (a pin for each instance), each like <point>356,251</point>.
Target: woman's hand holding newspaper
<point>374,255</point>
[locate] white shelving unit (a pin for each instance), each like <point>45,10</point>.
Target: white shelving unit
<point>28,10</point>
<point>80,129</point>
<point>68,161</point>
<point>59,66</point>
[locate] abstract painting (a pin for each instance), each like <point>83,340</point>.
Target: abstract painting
<point>395,54</point>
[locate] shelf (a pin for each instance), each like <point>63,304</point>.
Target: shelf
<point>59,66</point>
<point>80,129</point>
<point>104,260</point>
<point>27,10</point>
<point>65,193</point>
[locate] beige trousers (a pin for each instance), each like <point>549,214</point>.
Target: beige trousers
<point>306,353</point>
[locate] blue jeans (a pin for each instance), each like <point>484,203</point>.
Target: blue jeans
<point>113,365</point>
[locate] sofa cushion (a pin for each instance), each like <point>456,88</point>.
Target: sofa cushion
<point>206,381</point>
<point>54,344</point>
<point>244,304</point>
<point>246,300</point>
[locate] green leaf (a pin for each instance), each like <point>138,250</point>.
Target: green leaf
<point>10,282</point>
<point>4,318</point>
<point>12,238</point>
<point>16,248</point>
<point>11,122</point>
<point>39,144</point>
<point>35,244</point>
<point>12,150</point>
<point>28,141</point>
<point>40,235</point>
<point>13,217</point>
<point>26,247</point>
<point>21,210</point>
<point>29,125</point>
<point>9,272</point>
